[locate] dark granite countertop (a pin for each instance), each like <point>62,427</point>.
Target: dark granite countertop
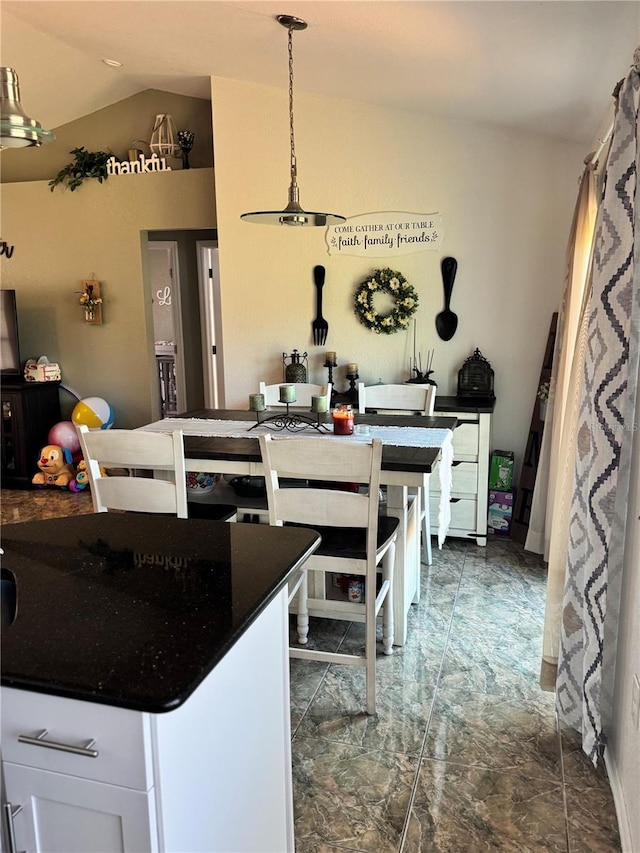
<point>136,610</point>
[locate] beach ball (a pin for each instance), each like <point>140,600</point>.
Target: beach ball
<point>93,412</point>
<point>64,434</point>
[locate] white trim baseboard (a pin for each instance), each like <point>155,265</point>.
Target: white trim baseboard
<point>619,803</point>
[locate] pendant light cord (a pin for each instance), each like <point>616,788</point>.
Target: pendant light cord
<point>294,170</point>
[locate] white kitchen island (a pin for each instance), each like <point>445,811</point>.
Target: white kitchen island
<point>212,772</point>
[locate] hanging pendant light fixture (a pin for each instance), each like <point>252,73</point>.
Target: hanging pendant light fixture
<point>293,214</point>
<point>17,130</point>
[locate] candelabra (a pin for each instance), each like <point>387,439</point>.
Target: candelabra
<point>291,421</point>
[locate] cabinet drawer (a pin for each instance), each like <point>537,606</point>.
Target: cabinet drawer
<point>463,515</point>
<point>466,440</point>
<point>122,738</point>
<point>464,479</point>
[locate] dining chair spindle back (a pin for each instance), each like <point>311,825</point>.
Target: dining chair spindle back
<point>113,458</point>
<point>402,400</point>
<point>355,539</point>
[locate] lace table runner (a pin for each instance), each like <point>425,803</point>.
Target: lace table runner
<point>400,436</point>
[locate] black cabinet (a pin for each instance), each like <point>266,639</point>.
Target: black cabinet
<point>29,410</point>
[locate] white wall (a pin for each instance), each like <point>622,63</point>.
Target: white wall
<point>506,201</point>
<point>623,750</point>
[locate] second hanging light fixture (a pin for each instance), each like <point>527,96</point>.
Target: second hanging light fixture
<point>293,213</point>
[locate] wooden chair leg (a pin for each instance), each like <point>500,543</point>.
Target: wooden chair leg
<point>370,654</point>
<point>388,562</point>
<point>426,529</point>
<point>303,610</point>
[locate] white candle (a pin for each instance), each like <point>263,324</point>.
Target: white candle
<point>256,402</point>
<point>352,368</point>
<point>287,394</point>
<point>319,403</point>
<point>330,357</point>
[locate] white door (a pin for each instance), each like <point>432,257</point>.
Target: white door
<point>65,814</point>
<point>167,324</point>
<point>210,324</point>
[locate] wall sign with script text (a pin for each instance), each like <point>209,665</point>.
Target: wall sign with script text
<point>377,235</point>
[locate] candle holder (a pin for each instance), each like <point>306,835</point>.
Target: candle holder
<point>290,421</point>
<point>330,365</point>
<point>350,395</point>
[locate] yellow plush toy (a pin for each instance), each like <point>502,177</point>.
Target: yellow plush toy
<point>56,467</point>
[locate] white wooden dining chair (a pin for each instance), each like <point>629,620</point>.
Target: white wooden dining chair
<point>396,400</point>
<point>304,392</point>
<point>355,539</point>
<point>113,458</point>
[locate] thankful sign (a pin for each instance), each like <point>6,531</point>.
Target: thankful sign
<point>385,234</point>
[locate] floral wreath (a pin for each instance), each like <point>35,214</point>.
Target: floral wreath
<point>396,285</point>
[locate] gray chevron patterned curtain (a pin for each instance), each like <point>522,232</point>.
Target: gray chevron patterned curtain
<point>605,429</point>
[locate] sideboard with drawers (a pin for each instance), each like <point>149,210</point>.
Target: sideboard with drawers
<point>470,480</point>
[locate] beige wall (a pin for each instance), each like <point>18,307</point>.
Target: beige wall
<point>506,201</point>
<point>61,238</point>
<point>114,129</point>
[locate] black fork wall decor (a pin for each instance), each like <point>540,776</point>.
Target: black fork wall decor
<point>319,326</point>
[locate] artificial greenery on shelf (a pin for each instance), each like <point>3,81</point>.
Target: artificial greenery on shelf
<point>87,164</point>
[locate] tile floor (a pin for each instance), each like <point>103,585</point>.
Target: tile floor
<point>464,754</point>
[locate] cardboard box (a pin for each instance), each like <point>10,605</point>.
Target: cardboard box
<point>500,511</point>
<point>501,470</point>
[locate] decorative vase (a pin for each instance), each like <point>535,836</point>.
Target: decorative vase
<point>185,141</point>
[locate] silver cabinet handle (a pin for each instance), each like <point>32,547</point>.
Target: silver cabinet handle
<point>10,812</point>
<point>39,740</point>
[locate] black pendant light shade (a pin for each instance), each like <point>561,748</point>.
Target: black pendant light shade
<point>293,213</point>
<point>17,130</point>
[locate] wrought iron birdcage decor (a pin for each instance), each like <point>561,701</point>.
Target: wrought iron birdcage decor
<point>475,378</point>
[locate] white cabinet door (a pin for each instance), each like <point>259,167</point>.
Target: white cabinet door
<point>63,814</point>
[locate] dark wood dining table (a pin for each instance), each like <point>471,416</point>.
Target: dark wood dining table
<point>405,471</point>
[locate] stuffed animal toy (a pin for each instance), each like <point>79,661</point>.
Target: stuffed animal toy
<point>56,467</point>
<point>81,480</point>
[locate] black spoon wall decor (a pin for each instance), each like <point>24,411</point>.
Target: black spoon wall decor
<point>447,321</point>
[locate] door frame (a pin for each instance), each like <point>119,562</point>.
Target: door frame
<point>211,323</point>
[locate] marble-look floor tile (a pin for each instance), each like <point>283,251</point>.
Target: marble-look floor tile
<point>306,845</point>
<point>431,615</point>
<point>418,660</point>
<point>505,616</point>
<point>505,587</point>
<point>305,677</point>
<point>496,666</point>
<point>470,809</point>
<point>325,634</point>
<point>350,797</point>
<point>579,772</point>
<point>507,734</point>
<point>337,712</point>
<point>591,816</point>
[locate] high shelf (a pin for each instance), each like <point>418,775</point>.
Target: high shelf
<point>29,410</point>
<point>470,473</point>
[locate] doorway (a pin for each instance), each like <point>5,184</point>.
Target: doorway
<point>167,325</point>
<point>182,266</point>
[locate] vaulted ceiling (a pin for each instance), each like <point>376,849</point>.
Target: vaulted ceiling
<point>543,67</point>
